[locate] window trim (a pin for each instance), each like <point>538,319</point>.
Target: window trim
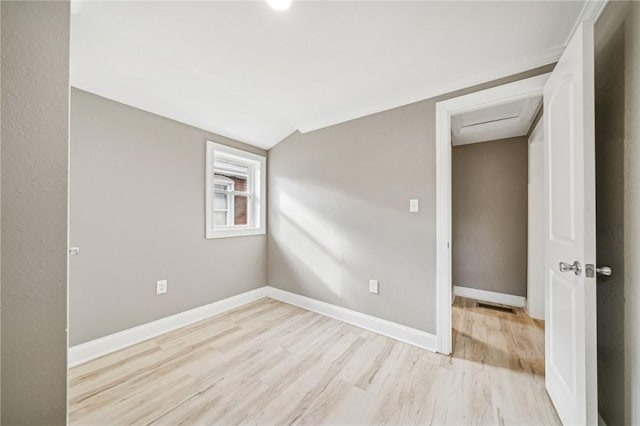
<point>257,194</point>
<point>229,211</point>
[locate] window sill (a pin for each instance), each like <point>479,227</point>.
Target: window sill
<point>229,233</point>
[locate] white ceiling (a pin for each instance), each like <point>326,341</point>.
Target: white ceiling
<point>245,71</point>
<point>497,122</point>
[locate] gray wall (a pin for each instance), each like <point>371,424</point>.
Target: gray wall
<point>489,215</point>
<point>338,213</point>
<point>618,211</point>
<point>0,223</point>
<point>35,118</point>
<point>610,88</point>
<point>632,214</point>
<point>138,216</point>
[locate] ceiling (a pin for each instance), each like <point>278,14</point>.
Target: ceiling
<point>245,71</point>
<point>497,122</point>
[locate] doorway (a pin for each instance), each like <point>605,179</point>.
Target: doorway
<point>489,218</point>
<point>569,218</point>
<point>447,115</point>
<point>489,207</point>
<point>496,212</point>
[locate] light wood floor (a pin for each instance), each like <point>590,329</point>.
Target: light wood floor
<point>273,363</point>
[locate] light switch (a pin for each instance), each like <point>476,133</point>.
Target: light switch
<point>414,206</point>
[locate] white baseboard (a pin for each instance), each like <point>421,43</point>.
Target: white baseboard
<point>113,342</point>
<point>490,296</point>
<point>396,331</point>
<point>104,345</point>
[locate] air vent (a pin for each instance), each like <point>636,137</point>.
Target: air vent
<point>499,308</point>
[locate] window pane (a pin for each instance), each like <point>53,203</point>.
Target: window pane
<point>241,205</point>
<point>219,218</point>
<point>231,182</point>
<point>220,201</point>
<point>234,180</point>
<point>240,183</point>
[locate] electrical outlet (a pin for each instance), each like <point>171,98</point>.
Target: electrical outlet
<point>414,205</point>
<point>373,286</point>
<point>161,287</point>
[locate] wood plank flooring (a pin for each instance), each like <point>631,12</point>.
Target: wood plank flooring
<point>272,363</point>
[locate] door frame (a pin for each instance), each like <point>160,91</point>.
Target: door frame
<point>511,92</point>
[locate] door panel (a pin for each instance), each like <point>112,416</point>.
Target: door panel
<point>570,308</point>
<point>562,351</point>
<point>562,221</point>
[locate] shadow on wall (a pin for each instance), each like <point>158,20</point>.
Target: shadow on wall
<point>301,233</point>
<point>319,247</point>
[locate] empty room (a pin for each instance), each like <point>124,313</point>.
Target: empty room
<point>277,212</point>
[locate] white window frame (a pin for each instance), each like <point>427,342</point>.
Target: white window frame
<point>230,213</point>
<point>256,189</point>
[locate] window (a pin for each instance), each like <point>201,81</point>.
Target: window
<point>235,192</point>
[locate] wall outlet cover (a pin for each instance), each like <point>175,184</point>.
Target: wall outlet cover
<point>373,286</point>
<point>161,287</point>
<point>414,205</point>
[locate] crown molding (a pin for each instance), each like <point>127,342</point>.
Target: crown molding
<point>206,127</point>
<point>592,9</point>
<point>527,63</point>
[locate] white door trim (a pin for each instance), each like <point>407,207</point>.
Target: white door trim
<point>511,92</point>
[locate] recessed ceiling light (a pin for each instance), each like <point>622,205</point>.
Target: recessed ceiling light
<point>279,4</point>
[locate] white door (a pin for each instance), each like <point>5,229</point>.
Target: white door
<point>570,296</point>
